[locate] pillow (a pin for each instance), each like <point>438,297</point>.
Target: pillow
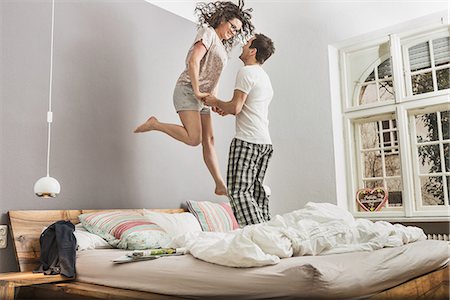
<point>213,216</point>
<point>87,240</point>
<point>174,224</point>
<point>125,230</point>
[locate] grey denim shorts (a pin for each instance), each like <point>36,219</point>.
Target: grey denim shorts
<point>184,99</point>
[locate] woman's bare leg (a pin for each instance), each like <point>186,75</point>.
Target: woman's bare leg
<point>209,154</point>
<point>190,133</point>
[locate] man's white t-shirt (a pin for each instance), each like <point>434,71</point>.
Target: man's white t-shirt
<point>252,123</point>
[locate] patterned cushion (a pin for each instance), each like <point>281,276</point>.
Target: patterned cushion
<point>87,240</point>
<point>213,216</point>
<point>125,230</point>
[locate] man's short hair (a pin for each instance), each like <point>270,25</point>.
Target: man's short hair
<point>264,47</point>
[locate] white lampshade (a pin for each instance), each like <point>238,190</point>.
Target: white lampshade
<point>47,187</point>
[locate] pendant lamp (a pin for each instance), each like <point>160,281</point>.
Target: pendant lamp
<point>49,187</point>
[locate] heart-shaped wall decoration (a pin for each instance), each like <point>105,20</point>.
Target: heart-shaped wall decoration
<point>372,199</point>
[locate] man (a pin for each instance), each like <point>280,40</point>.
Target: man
<point>251,149</point>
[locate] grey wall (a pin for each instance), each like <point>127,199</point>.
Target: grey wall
<point>115,64</point>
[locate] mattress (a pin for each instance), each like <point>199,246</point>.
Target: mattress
<point>337,276</point>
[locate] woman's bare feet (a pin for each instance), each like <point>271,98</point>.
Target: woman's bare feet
<point>149,125</point>
<point>221,189</point>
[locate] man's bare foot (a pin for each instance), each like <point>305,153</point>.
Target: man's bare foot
<point>147,126</point>
<point>221,190</point>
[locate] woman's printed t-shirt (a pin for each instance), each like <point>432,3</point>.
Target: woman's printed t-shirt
<point>212,63</point>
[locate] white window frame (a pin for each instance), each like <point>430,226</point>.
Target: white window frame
<point>359,176</point>
<point>423,210</point>
<point>414,40</point>
<point>403,107</point>
<point>393,142</point>
<point>377,81</point>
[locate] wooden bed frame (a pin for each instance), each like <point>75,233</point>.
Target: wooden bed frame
<point>26,227</point>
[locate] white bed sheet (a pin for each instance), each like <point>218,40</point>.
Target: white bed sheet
<point>336,276</point>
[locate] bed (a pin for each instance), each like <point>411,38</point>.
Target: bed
<point>420,272</point>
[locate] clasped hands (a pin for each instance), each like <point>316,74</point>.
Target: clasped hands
<point>210,100</point>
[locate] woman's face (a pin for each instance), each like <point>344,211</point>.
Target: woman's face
<point>228,29</point>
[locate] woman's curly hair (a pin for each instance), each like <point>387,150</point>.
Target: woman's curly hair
<point>213,13</point>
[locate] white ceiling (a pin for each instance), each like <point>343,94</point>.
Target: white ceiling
<point>182,8</point>
<point>185,8</point>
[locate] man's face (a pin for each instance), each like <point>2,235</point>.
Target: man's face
<point>246,50</point>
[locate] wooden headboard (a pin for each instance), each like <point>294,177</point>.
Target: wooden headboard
<point>27,225</point>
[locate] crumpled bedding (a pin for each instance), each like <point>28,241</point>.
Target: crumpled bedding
<point>317,229</point>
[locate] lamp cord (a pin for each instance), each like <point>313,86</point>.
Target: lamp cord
<point>49,113</point>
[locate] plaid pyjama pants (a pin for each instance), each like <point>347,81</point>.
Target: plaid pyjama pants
<point>247,165</point>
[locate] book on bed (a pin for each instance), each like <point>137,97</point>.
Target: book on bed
<point>148,254</point>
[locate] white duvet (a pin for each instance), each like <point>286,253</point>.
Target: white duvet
<point>317,229</point>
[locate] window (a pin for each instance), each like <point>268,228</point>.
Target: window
<point>370,74</point>
<point>429,65</point>
<point>377,87</point>
<point>431,143</point>
<point>388,136</point>
<point>379,159</point>
<point>396,110</point>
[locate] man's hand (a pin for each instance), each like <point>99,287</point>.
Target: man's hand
<point>218,111</point>
<point>210,100</point>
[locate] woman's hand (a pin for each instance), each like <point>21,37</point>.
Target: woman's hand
<point>200,96</point>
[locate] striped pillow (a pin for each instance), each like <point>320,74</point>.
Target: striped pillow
<point>125,230</point>
<point>213,216</point>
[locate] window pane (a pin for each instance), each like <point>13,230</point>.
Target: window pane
<point>443,79</point>
<point>369,136</point>
<point>394,187</point>
<point>387,139</point>
<point>422,83</point>
<point>392,165</point>
<point>371,77</point>
<point>448,187</point>
<point>395,199</point>
<point>426,127</point>
<point>445,122</point>
<point>372,164</point>
<point>432,190</point>
<point>447,157</point>
<point>429,159</point>
<point>371,184</point>
<point>384,69</point>
<point>441,49</point>
<point>419,57</point>
<point>386,90</point>
<point>368,94</point>
<point>360,68</point>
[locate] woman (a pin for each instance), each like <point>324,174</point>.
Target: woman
<point>221,24</point>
